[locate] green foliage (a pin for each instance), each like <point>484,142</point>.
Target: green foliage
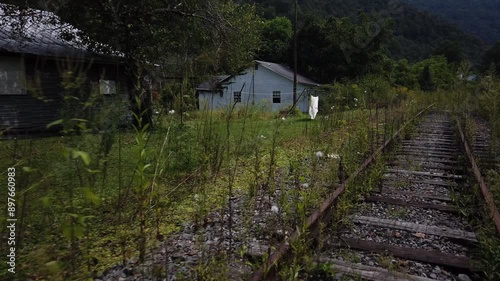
<point>425,80</point>
<point>435,73</point>
<point>276,35</point>
<point>451,51</point>
<point>333,48</point>
<point>377,91</point>
<point>367,92</point>
<point>478,18</point>
<point>416,33</point>
<point>403,75</point>
<point>488,101</point>
<point>492,57</point>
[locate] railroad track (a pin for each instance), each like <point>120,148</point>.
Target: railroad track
<point>408,229</point>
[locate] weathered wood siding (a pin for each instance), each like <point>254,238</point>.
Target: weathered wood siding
<point>44,100</point>
<point>258,86</point>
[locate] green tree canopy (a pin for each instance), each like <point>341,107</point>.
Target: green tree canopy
<point>276,35</point>
<point>492,57</point>
<point>335,48</point>
<point>435,73</point>
<point>451,50</point>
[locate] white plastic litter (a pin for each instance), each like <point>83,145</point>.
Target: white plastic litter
<point>313,107</point>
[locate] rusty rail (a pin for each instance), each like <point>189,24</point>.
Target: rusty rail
<point>269,269</point>
<point>488,197</point>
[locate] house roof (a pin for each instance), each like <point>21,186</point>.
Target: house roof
<point>286,72</point>
<point>213,83</point>
<point>38,33</point>
<point>279,69</point>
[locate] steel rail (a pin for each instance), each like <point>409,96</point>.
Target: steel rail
<point>488,197</point>
<point>269,270</point>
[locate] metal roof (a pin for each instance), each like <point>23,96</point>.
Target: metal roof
<point>279,69</point>
<point>38,33</point>
<point>286,72</point>
<point>213,83</point>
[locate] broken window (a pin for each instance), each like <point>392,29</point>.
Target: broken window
<point>12,76</point>
<point>107,87</point>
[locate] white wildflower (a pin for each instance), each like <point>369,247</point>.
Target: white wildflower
<point>304,185</point>
<point>262,137</point>
<point>274,209</point>
<point>171,112</point>
<point>283,118</point>
<point>333,156</point>
<point>319,154</point>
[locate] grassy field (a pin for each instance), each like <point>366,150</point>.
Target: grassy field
<point>88,201</point>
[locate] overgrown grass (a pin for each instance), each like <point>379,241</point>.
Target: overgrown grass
<point>89,200</point>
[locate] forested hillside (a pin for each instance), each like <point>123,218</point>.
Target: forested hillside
<point>416,33</point>
<point>480,17</point>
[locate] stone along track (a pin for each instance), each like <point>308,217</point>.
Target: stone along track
<point>408,228</point>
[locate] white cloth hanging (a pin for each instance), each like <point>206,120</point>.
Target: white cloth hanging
<point>313,107</point>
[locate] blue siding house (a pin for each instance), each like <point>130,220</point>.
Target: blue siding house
<point>267,85</point>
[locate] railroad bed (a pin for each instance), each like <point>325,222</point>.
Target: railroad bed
<point>409,229</point>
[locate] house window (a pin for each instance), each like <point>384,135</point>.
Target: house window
<point>237,96</point>
<point>12,76</point>
<point>276,96</point>
<point>107,87</point>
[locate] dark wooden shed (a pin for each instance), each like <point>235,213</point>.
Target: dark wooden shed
<point>44,78</point>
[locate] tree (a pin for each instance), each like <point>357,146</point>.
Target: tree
<point>492,57</point>
<point>403,75</point>
<point>425,80</point>
<point>276,35</point>
<point>435,73</point>
<point>335,48</point>
<point>451,50</point>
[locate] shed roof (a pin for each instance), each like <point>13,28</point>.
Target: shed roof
<point>39,33</point>
<point>213,83</point>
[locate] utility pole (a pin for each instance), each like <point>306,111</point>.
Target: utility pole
<point>295,57</point>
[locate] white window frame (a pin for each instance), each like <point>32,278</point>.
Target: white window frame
<point>12,69</point>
